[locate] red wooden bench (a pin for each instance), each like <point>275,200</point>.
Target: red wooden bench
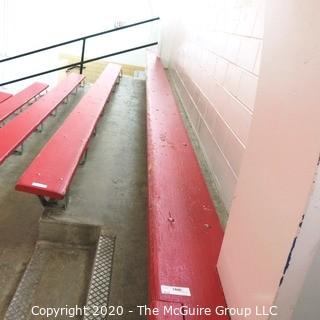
<point>4,96</point>
<point>18,100</point>
<point>50,174</point>
<point>184,230</point>
<point>18,129</point>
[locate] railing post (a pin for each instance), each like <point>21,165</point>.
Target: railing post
<point>82,54</point>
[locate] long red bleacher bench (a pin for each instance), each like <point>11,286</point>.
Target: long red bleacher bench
<point>17,101</point>
<point>13,134</point>
<point>4,96</point>
<point>50,174</point>
<point>185,235</point>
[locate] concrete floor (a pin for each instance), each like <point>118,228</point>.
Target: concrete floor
<point>109,190</point>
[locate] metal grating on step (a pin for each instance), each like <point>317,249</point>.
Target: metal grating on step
<point>19,308</point>
<point>99,289</point>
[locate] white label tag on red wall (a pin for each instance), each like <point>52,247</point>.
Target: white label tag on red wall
<point>177,291</point>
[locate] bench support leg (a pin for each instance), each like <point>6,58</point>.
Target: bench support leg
<point>84,158</point>
<point>54,112</point>
<point>118,79</point>
<point>19,150</point>
<point>30,102</point>
<point>53,203</point>
<point>65,101</point>
<point>40,128</point>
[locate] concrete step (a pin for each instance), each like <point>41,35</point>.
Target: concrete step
<point>70,274</point>
<point>56,276</point>
<point>53,228</point>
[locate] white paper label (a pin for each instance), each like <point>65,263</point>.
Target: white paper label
<point>39,185</point>
<point>176,291</point>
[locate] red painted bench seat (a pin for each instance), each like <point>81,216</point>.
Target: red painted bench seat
<point>51,172</point>
<point>18,129</point>
<point>185,235</point>
<point>4,96</point>
<point>18,100</point>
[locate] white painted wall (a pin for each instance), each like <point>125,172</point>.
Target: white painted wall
<point>213,49</point>
<point>277,174</point>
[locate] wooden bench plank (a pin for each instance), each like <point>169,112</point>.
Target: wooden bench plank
<point>18,100</point>
<point>16,131</point>
<point>51,172</point>
<point>4,96</point>
<point>185,235</point>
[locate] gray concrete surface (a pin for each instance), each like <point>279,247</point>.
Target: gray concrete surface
<point>65,275</point>
<point>73,234</point>
<point>56,276</point>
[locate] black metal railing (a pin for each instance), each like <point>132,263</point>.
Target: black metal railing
<point>81,62</point>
